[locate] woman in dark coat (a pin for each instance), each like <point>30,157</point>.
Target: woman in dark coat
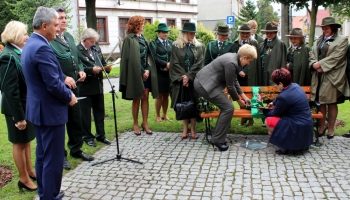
<point>220,46</point>
<point>273,53</point>
<point>138,73</point>
<point>187,58</point>
<point>161,50</point>
<point>289,121</point>
<point>298,58</point>
<point>328,76</point>
<point>13,103</point>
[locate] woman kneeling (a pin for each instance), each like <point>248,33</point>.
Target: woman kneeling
<point>289,121</point>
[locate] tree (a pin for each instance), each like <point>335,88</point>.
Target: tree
<point>265,13</point>
<point>246,13</point>
<point>341,10</point>
<point>5,13</point>
<point>312,8</point>
<point>24,10</point>
<point>91,19</point>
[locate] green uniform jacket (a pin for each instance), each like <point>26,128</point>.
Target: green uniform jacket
<point>130,81</point>
<point>253,69</point>
<point>334,69</point>
<point>67,55</point>
<point>259,38</point>
<point>161,54</point>
<point>93,84</point>
<point>301,71</point>
<point>213,51</point>
<point>177,69</point>
<point>275,58</point>
<point>12,84</point>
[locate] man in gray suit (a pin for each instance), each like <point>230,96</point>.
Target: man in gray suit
<point>211,80</point>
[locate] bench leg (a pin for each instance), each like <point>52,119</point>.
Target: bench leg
<point>317,142</point>
<point>207,130</point>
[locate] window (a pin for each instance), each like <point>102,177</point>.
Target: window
<point>102,29</point>
<point>185,1</point>
<point>171,23</point>
<point>183,21</point>
<point>122,27</point>
<point>148,20</point>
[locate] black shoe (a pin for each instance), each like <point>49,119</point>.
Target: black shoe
<point>60,195</point>
<point>282,152</point>
<point>32,177</point>
<point>346,135</point>
<point>22,185</point>
<point>66,164</point>
<point>105,140</point>
<point>91,143</point>
<point>330,137</point>
<point>82,155</point>
<point>220,146</point>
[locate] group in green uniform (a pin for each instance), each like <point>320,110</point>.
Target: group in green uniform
<point>161,49</point>
<point>187,58</point>
<point>92,88</point>
<point>67,54</point>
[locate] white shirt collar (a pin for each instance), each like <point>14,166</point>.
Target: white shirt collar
<point>82,44</point>
<point>42,37</point>
<point>161,40</point>
<point>17,47</point>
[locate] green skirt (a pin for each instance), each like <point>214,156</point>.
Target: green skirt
<point>19,136</point>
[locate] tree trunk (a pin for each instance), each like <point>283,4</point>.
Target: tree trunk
<point>285,23</point>
<point>313,14</point>
<point>91,19</point>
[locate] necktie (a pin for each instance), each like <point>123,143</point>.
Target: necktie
<point>89,52</point>
<point>322,43</point>
<point>220,45</point>
<point>244,42</point>
<point>164,43</point>
<point>62,38</point>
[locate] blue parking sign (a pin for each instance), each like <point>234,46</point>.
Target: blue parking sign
<point>230,20</point>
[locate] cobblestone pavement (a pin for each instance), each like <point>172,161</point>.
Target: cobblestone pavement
<point>189,169</point>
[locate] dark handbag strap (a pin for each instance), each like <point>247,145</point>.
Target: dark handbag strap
<point>182,92</point>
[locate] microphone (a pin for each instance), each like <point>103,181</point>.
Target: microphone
<point>93,48</point>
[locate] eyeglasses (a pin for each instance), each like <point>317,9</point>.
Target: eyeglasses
<point>61,17</point>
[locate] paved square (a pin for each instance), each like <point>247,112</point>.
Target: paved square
<point>189,169</point>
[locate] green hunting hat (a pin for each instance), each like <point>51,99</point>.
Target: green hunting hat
<point>244,28</point>
<point>296,32</point>
<point>223,30</point>
<point>329,21</point>
<point>270,27</point>
<point>162,27</point>
<point>189,27</point>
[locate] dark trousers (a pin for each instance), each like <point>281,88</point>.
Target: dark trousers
<point>49,160</point>
<point>74,128</point>
<point>226,111</point>
<point>96,103</point>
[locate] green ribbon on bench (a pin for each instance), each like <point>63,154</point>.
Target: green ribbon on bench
<point>256,103</point>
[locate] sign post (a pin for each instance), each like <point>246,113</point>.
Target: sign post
<point>230,20</point>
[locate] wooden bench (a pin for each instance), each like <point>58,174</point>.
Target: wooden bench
<point>267,93</point>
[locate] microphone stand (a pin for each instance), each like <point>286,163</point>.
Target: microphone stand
<point>118,156</point>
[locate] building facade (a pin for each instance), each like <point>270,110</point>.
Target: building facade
<point>210,12</point>
<point>112,17</point>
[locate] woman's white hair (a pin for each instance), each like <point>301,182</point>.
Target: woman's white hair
<point>90,33</point>
<point>182,41</point>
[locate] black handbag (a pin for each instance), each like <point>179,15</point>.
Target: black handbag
<point>185,110</point>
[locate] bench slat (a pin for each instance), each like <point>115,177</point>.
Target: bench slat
<point>242,113</point>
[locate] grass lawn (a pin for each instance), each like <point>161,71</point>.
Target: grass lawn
<point>124,120</point>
